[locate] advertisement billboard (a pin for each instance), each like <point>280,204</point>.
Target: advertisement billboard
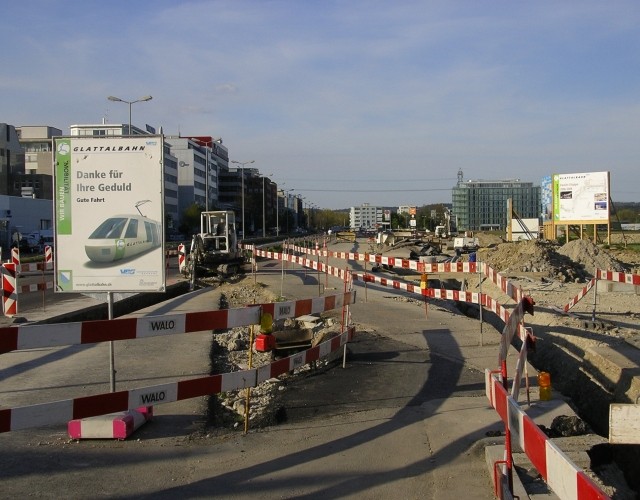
<point>108,199</point>
<point>581,197</point>
<point>546,197</point>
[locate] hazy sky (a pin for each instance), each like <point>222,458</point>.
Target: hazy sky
<point>347,102</point>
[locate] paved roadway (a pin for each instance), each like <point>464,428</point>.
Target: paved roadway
<point>407,418</point>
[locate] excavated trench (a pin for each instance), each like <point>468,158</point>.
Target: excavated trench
<point>577,380</point>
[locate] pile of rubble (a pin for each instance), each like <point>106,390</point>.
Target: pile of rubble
<point>232,350</point>
<point>575,261</point>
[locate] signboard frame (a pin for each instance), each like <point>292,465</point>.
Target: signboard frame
<point>109,214</point>
<point>581,198</point>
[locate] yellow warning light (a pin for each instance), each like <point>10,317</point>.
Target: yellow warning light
<point>266,323</point>
<point>423,281</point>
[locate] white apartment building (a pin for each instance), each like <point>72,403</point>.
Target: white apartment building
<point>365,217</point>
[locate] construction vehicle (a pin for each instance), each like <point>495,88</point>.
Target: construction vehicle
<point>441,232</point>
<point>214,250</point>
<point>465,244</point>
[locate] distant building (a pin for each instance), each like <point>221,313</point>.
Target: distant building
<point>406,209</point>
<point>365,217</point>
<point>37,180</point>
<point>11,159</point>
<point>482,205</point>
<point>199,160</point>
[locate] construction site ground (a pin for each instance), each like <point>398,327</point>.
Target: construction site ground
<point>592,363</point>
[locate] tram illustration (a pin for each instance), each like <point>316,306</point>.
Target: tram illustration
<point>123,236</point>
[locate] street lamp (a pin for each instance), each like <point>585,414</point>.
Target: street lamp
<point>207,143</point>
<point>264,210</point>
<point>242,163</point>
<point>142,99</point>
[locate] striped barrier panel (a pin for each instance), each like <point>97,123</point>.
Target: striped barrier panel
<point>15,256</point>
<point>507,287</point>
<point>14,338</point>
<point>48,255</point>
<point>578,297</point>
<point>563,477</point>
<point>35,266</point>
<point>629,278</point>
<point>476,298</point>
<point>9,290</point>
<point>182,262</point>
<point>58,412</point>
<point>36,287</point>
<point>434,293</point>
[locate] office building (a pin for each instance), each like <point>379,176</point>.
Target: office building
<point>482,204</point>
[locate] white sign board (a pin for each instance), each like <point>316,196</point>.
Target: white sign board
<point>108,214</point>
<point>524,229</point>
<point>581,197</point>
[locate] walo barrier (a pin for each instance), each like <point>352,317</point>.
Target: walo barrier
<point>31,336</point>
<point>58,412</point>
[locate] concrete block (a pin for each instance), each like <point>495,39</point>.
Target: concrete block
<point>118,425</point>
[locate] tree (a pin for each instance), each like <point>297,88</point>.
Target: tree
<point>191,219</point>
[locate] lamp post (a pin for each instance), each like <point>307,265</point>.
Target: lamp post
<point>264,209</point>
<point>142,99</point>
<point>242,164</point>
<point>207,143</point>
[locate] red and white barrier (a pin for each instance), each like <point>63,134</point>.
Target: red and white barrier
<point>578,297</point>
<point>48,255</point>
<point>24,417</point>
<point>563,477</point>
<point>631,279</point>
<point>15,256</point>
<point>181,257</point>
<point>112,426</point>
<point>34,336</point>
<point>9,290</point>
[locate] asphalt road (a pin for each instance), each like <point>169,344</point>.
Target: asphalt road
<point>406,418</point>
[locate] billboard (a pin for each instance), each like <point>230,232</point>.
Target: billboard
<point>546,198</point>
<point>582,197</point>
<point>108,200</point>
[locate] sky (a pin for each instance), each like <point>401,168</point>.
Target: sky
<point>346,102</point>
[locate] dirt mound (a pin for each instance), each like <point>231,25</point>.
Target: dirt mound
<point>590,256</point>
<point>575,261</point>
<point>534,256</point>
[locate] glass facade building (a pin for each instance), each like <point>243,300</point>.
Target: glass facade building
<point>482,205</point>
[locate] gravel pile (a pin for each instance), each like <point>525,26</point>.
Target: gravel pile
<point>575,261</point>
<point>587,254</point>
